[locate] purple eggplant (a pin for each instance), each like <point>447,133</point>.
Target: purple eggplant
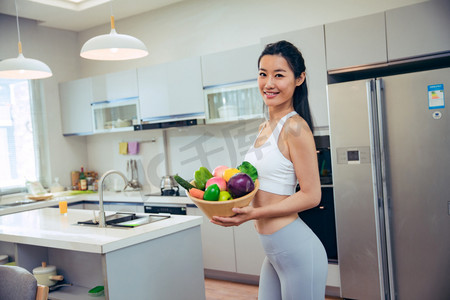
<point>240,184</point>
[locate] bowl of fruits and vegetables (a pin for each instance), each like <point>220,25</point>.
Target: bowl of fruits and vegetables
<point>216,193</point>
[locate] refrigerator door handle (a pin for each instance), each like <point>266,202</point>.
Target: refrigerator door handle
<point>380,190</point>
<point>386,206</point>
<point>374,140</point>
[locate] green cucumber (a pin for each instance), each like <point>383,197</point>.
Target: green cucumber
<point>183,183</point>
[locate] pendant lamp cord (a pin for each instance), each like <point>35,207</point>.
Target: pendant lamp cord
<point>18,30</point>
<point>113,25</point>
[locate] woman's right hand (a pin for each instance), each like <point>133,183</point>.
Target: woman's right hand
<point>242,215</point>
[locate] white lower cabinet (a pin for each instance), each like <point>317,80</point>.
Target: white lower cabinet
<point>231,249</point>
<point>217,243</point>
<point>249,251</point>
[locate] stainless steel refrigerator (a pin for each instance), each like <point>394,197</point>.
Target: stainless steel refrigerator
<point>390,144</point>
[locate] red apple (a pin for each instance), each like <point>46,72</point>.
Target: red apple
<point>218,171</point>
<point>219,181</point>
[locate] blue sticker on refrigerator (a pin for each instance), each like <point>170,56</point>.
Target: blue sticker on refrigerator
<point>436,96</point>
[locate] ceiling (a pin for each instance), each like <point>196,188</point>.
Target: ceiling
<point>78,15</point>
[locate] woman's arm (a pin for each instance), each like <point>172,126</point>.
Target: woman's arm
<point>303,154</point>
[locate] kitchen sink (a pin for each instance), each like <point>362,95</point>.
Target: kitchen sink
<point>127,220</point>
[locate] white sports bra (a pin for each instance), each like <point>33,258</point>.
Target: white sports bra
<point>275,172</point>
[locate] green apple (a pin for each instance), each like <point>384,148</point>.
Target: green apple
<point>224,196</point>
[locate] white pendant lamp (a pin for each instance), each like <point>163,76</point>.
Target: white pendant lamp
<point>22,67</point>
<point>113,46</point>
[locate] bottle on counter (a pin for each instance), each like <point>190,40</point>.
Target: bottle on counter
<point>90,183</point>
<point>83,181</point>
<point>75,176</point>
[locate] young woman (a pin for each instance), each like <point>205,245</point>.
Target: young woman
<point>284,152</point>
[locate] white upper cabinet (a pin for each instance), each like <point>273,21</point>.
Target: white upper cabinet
<point>231,66</point>
<point>230,87</point>
<point>113,86</point>
<point>153,92</point>
<point>185,87</point>
<point>419,29</point>
<point>356,42</point>
<point>115,115</point>
<point>171,89</point>
<point>310,42</point>
<point>115,101</point>
<point>227,103</point>
<point>416,30</point>
<point>104,103</point>
<point>75,100</point>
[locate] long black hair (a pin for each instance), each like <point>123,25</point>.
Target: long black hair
<point>296,62</point>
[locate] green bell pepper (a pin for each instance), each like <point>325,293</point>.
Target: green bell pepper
<point>212,193</point>
<point>201,176</point>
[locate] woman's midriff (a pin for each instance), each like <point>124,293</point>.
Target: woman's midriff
<point>271,225</point>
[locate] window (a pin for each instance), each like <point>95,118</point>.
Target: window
<point>19,135</point>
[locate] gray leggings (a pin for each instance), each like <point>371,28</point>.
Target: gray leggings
<point>296,264</point>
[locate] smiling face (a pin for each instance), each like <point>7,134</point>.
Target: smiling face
<point>277,81</point>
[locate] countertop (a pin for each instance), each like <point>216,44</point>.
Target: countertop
<point>48,228</point>
<point>123,197</point>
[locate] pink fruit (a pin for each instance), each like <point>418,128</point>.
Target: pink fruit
<point>219,181</point>
<point>218,171</point>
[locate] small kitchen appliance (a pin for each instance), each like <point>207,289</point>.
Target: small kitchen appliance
<point>169,187</point>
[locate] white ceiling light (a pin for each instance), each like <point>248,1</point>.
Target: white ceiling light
<point>75,5</point>
<point>113,46</point>
<point>22,67</point>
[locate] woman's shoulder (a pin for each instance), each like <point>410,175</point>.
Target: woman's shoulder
<point>296,126</point>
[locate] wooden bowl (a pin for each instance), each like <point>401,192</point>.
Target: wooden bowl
<point>223,208</point>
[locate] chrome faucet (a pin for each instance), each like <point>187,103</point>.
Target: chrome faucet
<point>102,221</point>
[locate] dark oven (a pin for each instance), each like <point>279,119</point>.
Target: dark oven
<point>173,209</point>
<point>321,218</point>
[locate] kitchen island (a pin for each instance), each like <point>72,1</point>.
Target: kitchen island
<point>160,260</point>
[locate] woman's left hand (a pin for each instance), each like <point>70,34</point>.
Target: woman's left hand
<point>242,215</point>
